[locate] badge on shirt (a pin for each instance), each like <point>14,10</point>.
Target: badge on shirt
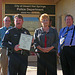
<point>25,32</point>
<point>62,40</point>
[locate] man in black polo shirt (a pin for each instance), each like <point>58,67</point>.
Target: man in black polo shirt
<point>17,58</point>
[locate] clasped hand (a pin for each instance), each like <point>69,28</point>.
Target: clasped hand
<point>45,50</point>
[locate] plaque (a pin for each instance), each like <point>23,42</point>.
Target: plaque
<point>25,41</point>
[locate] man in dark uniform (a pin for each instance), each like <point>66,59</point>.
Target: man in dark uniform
<point>17,58</point>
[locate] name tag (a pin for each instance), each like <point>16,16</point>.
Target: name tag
<point>62,40</point>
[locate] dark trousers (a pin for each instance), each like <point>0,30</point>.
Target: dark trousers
<point>17,64</point>
<point>67,57</point>
<point>46,64</point>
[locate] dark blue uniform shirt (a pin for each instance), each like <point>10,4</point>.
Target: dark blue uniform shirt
<point>12,37</point>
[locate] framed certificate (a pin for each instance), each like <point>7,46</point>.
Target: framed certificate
<point>25,41</point>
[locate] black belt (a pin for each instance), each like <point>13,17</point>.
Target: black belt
<point>69,46</point>
<point>22,52</point>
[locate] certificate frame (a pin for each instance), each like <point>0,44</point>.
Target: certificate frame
<point>25,41</point>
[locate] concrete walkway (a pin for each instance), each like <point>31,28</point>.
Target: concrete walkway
<point>32,70</point>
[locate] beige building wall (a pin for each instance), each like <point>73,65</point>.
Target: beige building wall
<point>64,7</point>
<point>29,1</point>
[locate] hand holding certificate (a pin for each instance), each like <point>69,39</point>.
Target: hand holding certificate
<point>25,41</point>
